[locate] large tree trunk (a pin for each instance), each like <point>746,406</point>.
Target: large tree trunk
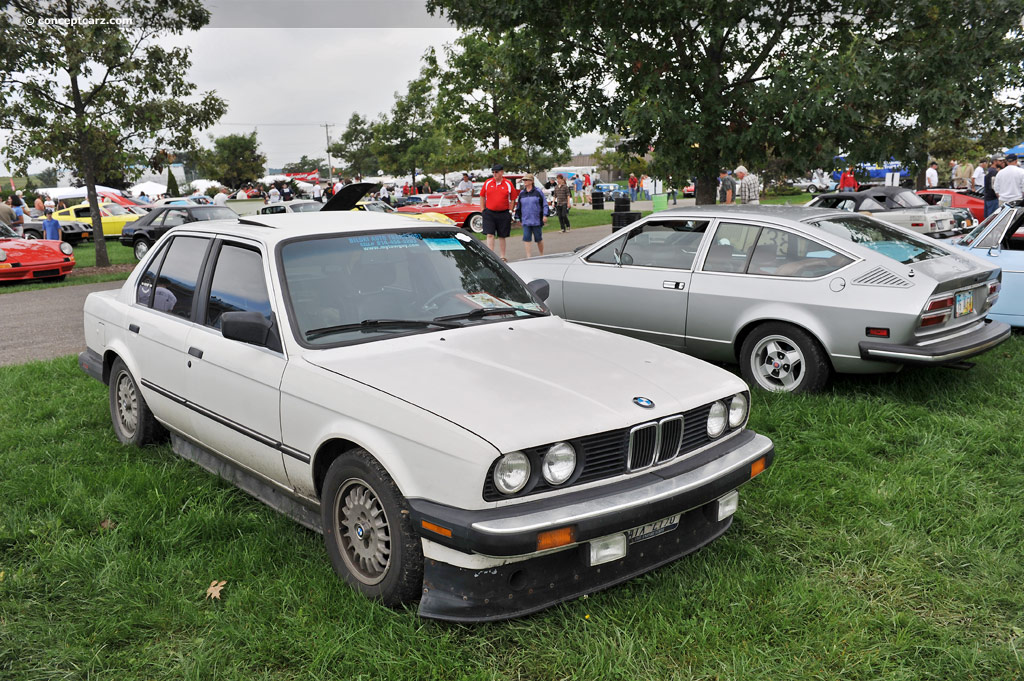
<point>89,163</point>
<point>707,188</point>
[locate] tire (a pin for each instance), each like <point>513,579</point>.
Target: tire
<point>368,531</point>
<point>812,189</point>
<point>780,357</point>
<point>134,424</point>
<point>32,235</point>
<point>474,223</point>
<point>141,248</point>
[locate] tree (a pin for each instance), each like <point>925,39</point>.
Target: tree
<point>405,140</point>
<point>355,148</point>
<point>234,160</point>
<point>493,94</point>
<point>97,93</point>
<point>307,165</point>
<point>793,80</point>
<point>610,156</point>
<point>48,176</point>
<point>172,184</point>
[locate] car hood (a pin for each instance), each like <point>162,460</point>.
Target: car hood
<point>20,250</point>
<point>533,381</point>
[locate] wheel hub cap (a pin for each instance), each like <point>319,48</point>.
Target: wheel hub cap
<point>363,533</point>
<point>778,363</point>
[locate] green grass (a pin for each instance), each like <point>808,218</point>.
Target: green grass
<point>577,219</point>
<point>796,199</point>
<point>885,543</point>
<point>85,254</point>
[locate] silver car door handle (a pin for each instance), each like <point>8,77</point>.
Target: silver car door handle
<point>678,285</point>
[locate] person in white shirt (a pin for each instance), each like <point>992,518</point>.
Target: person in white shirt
<point>338,185</point>
<point>385,195</point>
<point>465,189</point>
<point>931,176</point>
<point>221,199</point>
<point>241,195</point>
<point>978,180</point>
<point>275,194</point>
<point>1009,182</point>
<point>318,191</point>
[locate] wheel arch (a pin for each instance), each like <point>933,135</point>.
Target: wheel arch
<point>749,327</point>
<point>327,453</point>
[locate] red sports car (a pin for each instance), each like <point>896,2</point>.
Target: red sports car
<point>33,258</point>
<point>953,198</point>
<point>465,215</point>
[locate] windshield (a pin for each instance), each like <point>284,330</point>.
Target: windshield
<point>377,207</point>
<point>880,237</point>
<point>6,232</point>
<point>310,207</point>
<point>342,287</point>
<point>970,238</point>
<point>214,213</point>
<point>115,209</point>
<point>908,199</point>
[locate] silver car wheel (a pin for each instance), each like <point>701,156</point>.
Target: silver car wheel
<point>476,223</point>
<point>777,363</point>
<point>141,248</point>
<point>127,404</point>
<point>362,531</point>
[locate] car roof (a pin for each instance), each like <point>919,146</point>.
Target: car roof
<point>881,189</point>
<point>280,226</point>
<point>796,213</point>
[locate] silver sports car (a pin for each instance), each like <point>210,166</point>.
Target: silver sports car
<point>792,294</point>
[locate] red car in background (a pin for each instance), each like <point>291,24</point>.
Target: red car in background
<point>465,215</point>
<point>954,198</point>
<point>33,258</point>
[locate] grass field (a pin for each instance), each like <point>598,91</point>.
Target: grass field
<point>885,543</point>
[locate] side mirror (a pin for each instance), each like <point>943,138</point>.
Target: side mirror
<point>249,327</point>
<point>540,288</point>
<point>993,252</point>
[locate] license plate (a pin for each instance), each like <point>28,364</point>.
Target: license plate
<point>964,303</point>
<point>651,530</point>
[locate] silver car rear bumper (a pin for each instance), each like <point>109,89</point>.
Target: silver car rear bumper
<point>991,334</point>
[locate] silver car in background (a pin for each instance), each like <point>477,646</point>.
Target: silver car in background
<point>792,294</point>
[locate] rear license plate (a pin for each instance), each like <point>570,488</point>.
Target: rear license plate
<point>964,303</point>
<point>651,530</point>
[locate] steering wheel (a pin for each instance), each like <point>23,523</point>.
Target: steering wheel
<point>437,297</point>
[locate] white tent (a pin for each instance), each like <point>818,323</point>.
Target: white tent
<point>203,185</point>
<point>64,193</point>
<point>151,189</point>
<point>271,179</point>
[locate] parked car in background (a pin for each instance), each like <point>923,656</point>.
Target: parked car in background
<point>295,206</point>
<point>791,294</point>
<point>956,198</point>
<point>324,364</point>
<point>897,205</point>
<point>999,241</point>
<point>377,206</point>
<point>143,233</point>
<point>112,216</point>
<point>814,186</point>
<point>29,259</point>
<point>71,231</point>
<point>466,215</point>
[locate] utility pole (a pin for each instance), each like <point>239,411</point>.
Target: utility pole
<point>330,165</point>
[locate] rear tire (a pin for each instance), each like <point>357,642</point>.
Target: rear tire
<point>780,357</point>
<point>474,223</point>
<point>368,530</point>
<point>141,248</point>
<point>134,423</point>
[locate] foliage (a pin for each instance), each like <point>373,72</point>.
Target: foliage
<point>306,165</point>
<point>98,96</point>
<point>48,177</point>
<point>172,184</point>
<point>355,148</point>
<point>612,155</point>
<point>493,95</point>
<point>234,160</point>
<point>404,139</point>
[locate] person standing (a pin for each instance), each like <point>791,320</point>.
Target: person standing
<point>6,214</point>
<point>988,193</point>
<point>532,212</point>
<point>847,182</point>
<point>318,192</point>
<point>577,185</point>
<point>18,225</point>
<point>1008,185</point>
<point>496,199</point>
<point>385,194</point>
<point>954,173</point>
<point>978,177</point>
<point>561,195</point>
<point>221,199</point>
<point>726,187</point>
<point>464,190</point>
<point>39,204</point>
<point>749,188</point>
<point>671,191</point>
<point>931,176</point>
<point>275,194</point>
<point>633,182</point>
<point>51,228</point>
<point>965,177</point>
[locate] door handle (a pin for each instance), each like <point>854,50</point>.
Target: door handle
<point>678,285</point>
<point>195,352</point>
<point>134,328</point>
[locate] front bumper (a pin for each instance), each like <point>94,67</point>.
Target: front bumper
<point>532,581</point>
<point>987,336</point>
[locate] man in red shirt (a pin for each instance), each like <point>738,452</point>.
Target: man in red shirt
<point>497,197</point>
<point>847,182</point>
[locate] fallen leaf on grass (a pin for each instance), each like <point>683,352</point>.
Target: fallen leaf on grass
<point>214,590</point>
<point>108,524</point>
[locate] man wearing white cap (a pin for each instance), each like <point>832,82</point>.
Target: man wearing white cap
<point>748,189</point>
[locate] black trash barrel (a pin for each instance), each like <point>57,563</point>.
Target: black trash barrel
<point>597,201</point>
<point>622,204</point>
<point>623,219</point>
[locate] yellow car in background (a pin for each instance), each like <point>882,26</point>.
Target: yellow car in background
<point>113,217</point>
<point>377,206</point>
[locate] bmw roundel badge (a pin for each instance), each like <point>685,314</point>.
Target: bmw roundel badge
<point>643,402</point>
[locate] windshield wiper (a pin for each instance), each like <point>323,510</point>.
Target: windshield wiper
<point>370,324</point>
<point>488,311</point>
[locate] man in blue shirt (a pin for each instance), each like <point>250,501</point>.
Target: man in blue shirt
<point>532,211</point>
<point>51,228</point>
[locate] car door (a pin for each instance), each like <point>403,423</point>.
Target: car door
<point>235,386</point>
<point>638,283</point>
<point>1003,246</point>
<point>159,322</point>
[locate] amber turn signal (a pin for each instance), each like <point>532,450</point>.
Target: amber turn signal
<point>552,539</point>
<point>443,531</point>
<point>757,467</point>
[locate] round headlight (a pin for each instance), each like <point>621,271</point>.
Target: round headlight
<point>737,410</point>
<point>65,248</point>
<point>512,472</point>
<point>3,255</point>
<point>559,463</point>
<point>717,419</point>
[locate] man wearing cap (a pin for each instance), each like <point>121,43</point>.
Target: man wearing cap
<point>497,197</point>
<point>726,187</point>
<point>1009,183</point>
<point>749,188</point>
<point>532,212</point>
<point>51,228</point>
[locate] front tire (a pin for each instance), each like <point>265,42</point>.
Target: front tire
<point>141,248</point>
<point>783,358</point>
<point>474,223</point>
<point>134,423</point>
<point>368,530</point>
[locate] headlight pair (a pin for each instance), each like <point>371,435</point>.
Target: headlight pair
<point>513,470</point>
<point>721,416</point>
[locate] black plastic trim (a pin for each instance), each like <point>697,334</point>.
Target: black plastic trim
<point>91,363</point>
<point>953,350</point>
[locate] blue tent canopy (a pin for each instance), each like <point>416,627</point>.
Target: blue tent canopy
<point>1019,149</point>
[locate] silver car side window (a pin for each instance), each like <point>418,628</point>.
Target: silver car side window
<point>606,255</point>
<point>671,244</point>
<point>731,247</point>
<point>782,254</point>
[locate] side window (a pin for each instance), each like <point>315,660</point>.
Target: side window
<point>173,218</point>
<point>732,246</point>
<point>995,235</point>
<point>176,283</point>
<point>782,254</point>
<point>870,204</point>
<point>238,284</point>
<point>272,210</point>
<point>83,212</point>
<point>144,291</point>
<point>606,254</point>
<point>847,204</point>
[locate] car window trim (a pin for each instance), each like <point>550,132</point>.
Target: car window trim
<point>199,278</point>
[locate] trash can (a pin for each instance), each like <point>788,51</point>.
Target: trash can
<point>623,219</point>
<point>622,204</point>
<point>597,201</point>
<point>660,202</point>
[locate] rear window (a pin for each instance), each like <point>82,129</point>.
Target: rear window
<point>214,213</point>
<point>907,199</point>
<point>880,237</point>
